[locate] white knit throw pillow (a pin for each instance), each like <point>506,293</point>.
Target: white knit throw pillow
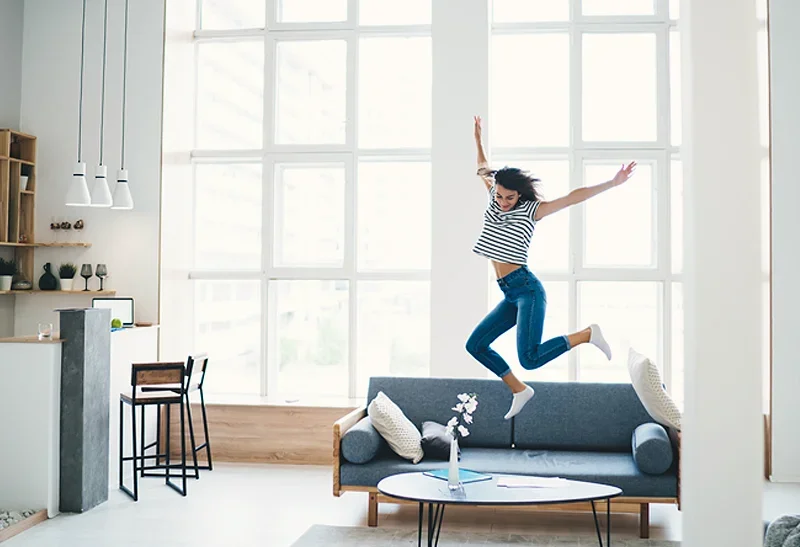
<point>646,380</point>
<point>401,435</point>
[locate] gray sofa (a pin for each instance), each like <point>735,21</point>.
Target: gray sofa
<point>581,431</point>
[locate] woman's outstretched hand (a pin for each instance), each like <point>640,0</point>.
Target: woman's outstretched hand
<point>477,128</point>
<point>624,173</point>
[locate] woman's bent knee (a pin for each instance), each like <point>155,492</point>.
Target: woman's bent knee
<point>530,360</point>
<point>475,345</point>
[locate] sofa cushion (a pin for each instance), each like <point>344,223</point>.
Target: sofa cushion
<point>652,449</point>
<point>392,424</point>
<point>614,468</point>
<point>436,441</point>
<point>362,442</point>
<point>423,399</point>
<point>579,416</point>
<point>646,380</point>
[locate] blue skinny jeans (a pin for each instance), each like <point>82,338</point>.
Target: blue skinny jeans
<point>524,303</point>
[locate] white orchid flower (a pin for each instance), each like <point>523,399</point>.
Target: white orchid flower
<point>463,430</point>
<point>459,407</point>
<point>471,406</point>
<point>468,418</point>
<point>463,397</point>
<point>453,422</point>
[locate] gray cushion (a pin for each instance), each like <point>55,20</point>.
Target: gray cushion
<point>436,441</point>
<point>652,449</point>
<point>362,442</point>
<point>614,468</point>
<point>423,399</point>
<point>580,416</point>
<point>783,532</point>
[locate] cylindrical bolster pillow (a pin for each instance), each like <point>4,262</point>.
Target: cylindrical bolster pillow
<point>361,442</point>
<point>652,450</point>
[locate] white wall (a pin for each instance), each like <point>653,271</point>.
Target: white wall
<point>785,89</point>
<point>126,241</point>
<point>455,271</point>
<point>11,17</point>
<point>177,303</point>
<point>723,452</point>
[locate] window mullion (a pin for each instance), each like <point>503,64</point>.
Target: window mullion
<point>268,366</point>
<point>575,213</point>
<point>350,230</point>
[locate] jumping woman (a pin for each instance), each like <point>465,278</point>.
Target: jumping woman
<point>514,208</point>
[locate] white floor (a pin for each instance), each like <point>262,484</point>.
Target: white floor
<point>272,505</point>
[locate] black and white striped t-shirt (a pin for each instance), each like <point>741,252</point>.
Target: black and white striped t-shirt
<point>506,235</point>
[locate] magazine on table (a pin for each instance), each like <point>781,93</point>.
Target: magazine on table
<point>522,481</point>
<point>464,475</point>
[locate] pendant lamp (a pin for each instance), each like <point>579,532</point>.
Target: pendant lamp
<point>122,192</point>
<point>78,191</point>
<point>101,195</point>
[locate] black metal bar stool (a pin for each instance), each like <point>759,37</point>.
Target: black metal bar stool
<point>196,366</point>
<point>194,362</point>
<point>144,375</point>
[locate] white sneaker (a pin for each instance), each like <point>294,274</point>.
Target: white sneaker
<point>596,338</point>
<point>519,401</point>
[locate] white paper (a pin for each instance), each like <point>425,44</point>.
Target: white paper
<point>519,481</point>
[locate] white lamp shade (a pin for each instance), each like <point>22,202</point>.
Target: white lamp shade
<point>101,195</point>
<point>122,192</point>
<point>78,192</point>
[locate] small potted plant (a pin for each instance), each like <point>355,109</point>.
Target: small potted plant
<point>8,269</point>
<point>67,273</point>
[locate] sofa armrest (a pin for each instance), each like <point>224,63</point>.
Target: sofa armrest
<point>340,427</point>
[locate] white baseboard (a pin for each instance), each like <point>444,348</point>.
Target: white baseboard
<point>785,478</point>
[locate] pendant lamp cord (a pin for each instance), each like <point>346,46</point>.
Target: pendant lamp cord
<point>124,85</point>
<point>80,100</point>
<point>103,95</point>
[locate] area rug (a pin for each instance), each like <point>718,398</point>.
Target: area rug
<point>354,536</point>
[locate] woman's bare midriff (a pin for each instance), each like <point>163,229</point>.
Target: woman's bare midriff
<point>502,269</point>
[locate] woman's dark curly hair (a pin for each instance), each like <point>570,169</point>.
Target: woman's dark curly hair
<point>517,179</point>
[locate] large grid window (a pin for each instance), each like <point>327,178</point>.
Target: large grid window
<point>310,202</point>
<point>576,89</point>
<point>312,138</point>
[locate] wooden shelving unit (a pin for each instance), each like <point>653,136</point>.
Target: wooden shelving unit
<point>18,208</point>
<point>17,204</point>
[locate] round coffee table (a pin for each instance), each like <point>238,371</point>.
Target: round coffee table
<point>424,489</point>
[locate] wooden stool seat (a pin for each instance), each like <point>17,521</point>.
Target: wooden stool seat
<point>150,397</point>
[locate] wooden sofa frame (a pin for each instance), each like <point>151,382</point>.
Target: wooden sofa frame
<point>629,505</point>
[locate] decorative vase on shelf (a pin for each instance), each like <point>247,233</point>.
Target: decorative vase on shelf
<point>48,281</point>
<point>453,479</point>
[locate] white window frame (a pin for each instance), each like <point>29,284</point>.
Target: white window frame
<point>661,149</point>
<point>659,152</point>
<point>272,153</point>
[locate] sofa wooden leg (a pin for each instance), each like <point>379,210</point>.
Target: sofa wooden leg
<point>372,519</point>
<point>644,520</point>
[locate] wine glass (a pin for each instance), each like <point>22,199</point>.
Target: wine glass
<point>101,272</point>
<point>86,273</point>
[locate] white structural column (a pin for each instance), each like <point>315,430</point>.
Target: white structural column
<point>723,441</point>
<point>459,278</point>
<point>784,16</point>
